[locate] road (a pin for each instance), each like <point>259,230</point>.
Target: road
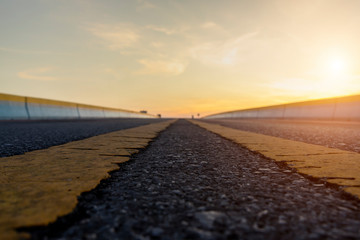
<point>193,184</point>
<point>23,136</point>
<point>340,135</point>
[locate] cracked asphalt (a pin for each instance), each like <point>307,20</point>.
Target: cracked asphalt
<point>192,184</point>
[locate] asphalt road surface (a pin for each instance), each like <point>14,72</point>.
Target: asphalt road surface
<point>341,135</point>
<point>23,136</point>
<point>192,184</point>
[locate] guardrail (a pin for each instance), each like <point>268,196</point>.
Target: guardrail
<point>14,107</point>
<point>341,108</point>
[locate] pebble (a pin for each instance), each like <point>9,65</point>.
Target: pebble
<point>207,218</point>
<point>156,232</point>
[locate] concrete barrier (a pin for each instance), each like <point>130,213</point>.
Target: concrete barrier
<point>13,107</point>
<point>50,109</point>
<point>349,108</point>
<point>341,108</point>
<point>21,108</point>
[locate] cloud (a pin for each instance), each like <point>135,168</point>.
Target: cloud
<point>36,74</point>
<point>161,67</point>
<point>319,87</point>
<point>115,37</point>
<point>210,25</point>
<point>143,4</point>
<point>222,52</point>
<point>112,72</point>
<point>157,44</point>
<point>22,51</point>
<point>169,31</point>
<point>161,29</point>
<point>297,85</point>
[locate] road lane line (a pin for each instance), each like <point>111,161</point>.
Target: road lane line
<point>332,165</point>
<point>39,186</point>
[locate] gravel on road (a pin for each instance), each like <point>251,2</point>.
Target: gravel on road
<point>193,184</point>
<point>340,135</point>
<point>18,137</point>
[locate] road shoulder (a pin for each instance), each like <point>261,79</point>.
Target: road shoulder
<point>333,166</point>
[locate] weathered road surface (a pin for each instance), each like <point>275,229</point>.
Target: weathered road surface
<point>24,136</point>
<point>341,135</point>
<point>192,184</point>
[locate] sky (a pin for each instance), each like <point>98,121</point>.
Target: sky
<point>180,57</point>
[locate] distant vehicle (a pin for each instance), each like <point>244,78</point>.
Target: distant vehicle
<point>143,111</point>
<point>159,115</point>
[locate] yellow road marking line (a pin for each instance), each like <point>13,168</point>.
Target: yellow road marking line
<point>333,165</point>
<point>39,186</point>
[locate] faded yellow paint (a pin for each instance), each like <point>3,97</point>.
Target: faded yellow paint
<point>333,165</point>
<point>39,186</point>
<point>14,98</point>
<point>107,109</point>
<point>50,102</point>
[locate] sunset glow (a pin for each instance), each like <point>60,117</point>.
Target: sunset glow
<point>337,67</point>
<point>180,58</point>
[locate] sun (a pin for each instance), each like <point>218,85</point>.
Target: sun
<point>336,67</point>
<point>334,79</point>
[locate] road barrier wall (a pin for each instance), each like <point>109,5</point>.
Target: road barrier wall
<point>12,107</point>
<point>341,108</point>
<point>27,108</point>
